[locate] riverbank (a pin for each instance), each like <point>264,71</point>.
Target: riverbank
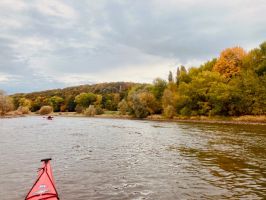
<point>247,119</point>
<point>255,120</point>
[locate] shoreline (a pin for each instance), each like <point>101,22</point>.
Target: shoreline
<point>244,120</point>
<point>207,121</point>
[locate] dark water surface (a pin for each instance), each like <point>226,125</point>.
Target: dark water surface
<point>127,159</point>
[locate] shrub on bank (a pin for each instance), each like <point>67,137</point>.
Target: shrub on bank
<point>45,110</point>
<point>23,110</point>
<point>78,109</point>
<point>123,107</point>
<point>99,110</point>
<point>90,111</point>
<point>169,112</point>
<point>6,104</point>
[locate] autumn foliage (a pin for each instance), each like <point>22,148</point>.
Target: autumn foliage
<point>231,85</point>
<point>6,104</point>
<point>230,62</point>
<point>45,110</point>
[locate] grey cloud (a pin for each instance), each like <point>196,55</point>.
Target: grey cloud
<point>9,59</point>
<point>186,33</point>
<point>47,38</point>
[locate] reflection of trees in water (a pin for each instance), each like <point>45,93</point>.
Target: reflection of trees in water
<point>233,171</point>
<point>224,160</point>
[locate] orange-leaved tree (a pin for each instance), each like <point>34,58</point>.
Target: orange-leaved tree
<point>230,62</point>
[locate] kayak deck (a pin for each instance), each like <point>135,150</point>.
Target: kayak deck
<point>44,187</point>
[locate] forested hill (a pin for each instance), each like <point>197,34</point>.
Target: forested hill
<point>68,94</point>
<point>100,88</point>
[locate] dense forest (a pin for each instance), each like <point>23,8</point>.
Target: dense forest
<point>233,84</point>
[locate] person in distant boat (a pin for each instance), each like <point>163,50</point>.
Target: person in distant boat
<point>50,117</point>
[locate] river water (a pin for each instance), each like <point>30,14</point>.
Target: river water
<point>129,159</point>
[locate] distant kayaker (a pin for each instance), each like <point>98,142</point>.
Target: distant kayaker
<point>50,117</point>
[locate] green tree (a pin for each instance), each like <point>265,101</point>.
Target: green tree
<point>177,75</point>
<point>110,101</point>
<point>194,95</point>
<point>256,60</point>
<point>249,89</point>
<point>182,76</point>
<point>36,104</point>
<point>208,66</point>
<point>70,103</point>
<point>220,99</point>
<point>56,103</point>
<point>85,99</point>
<point>158,88</point>
<point>16,100</point>
<point>98,101</point>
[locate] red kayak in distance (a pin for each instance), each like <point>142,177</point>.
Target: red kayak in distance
<point>44,186</point>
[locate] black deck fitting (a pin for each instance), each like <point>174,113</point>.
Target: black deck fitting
<point>46,159</point>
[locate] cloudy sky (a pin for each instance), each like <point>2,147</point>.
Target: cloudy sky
<point>47,44</point>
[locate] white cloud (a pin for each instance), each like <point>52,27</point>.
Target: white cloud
<point>14,5</point>
<point>28,48</point>
<point>141,72</point>
<point>5,78</point>
<point>75,79</point>
<point>9,23</point>
<point>56,8</point>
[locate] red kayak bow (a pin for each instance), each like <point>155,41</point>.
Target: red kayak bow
<point>44,187</point>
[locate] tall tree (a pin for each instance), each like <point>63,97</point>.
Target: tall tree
<point>183,69</point>
<point>170,77</point>
<point>183,76</point>
<point>177,75</point>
